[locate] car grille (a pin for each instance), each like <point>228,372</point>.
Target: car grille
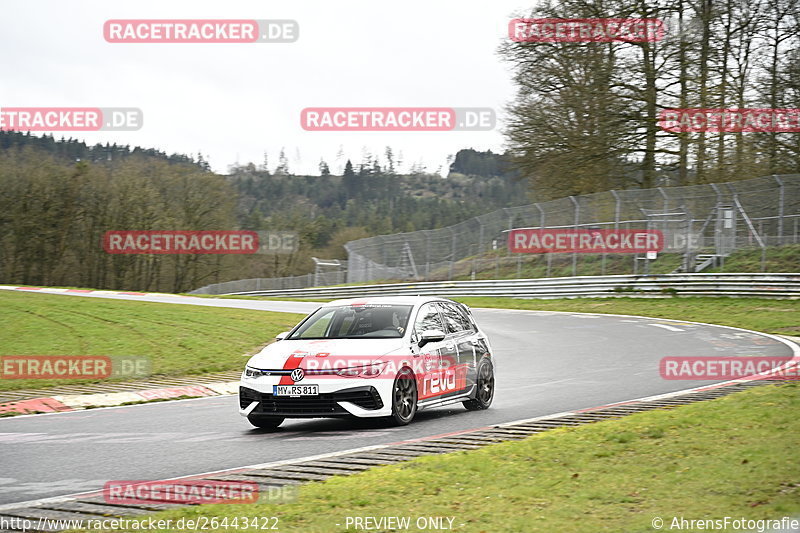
<point>321,405</point>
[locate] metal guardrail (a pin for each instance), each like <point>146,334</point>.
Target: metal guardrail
<point>729,284</point>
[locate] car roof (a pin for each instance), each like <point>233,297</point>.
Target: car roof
<point>392,300</point>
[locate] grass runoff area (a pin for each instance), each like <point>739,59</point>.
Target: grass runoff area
<point>761,314</point>
<point>498,264</point>
<point>177,339</point>
<point>734,456</point>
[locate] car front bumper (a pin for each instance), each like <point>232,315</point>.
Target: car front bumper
<point>337,398</point>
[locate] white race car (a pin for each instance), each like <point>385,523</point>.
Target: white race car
<point>373,357</point>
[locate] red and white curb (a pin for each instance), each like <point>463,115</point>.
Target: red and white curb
<point>76,402</point>
<point>50,290</point>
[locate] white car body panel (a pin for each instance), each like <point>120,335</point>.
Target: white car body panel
<point>311,354</point>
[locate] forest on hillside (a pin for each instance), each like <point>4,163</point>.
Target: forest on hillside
<point>68,194</point>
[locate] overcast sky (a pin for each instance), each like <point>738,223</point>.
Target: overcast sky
<point>233,102</point>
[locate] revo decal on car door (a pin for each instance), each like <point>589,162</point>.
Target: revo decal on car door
<point>443,381</point>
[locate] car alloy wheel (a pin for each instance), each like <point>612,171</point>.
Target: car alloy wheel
<point>404,397</point>
<point>485,392</point>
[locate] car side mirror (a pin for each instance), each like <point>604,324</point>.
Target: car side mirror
<point>281,336</point>
<point>430,335</point>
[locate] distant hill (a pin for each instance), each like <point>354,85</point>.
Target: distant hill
<point>61,195</point>
<point>379,201</point>
<point>475,163</point>
<point>75,150</point>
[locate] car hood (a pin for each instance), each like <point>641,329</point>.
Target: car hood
<point>362,351</point>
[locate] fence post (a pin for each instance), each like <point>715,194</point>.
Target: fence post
<point>749,222</point>
<point>665,205</point>
<point>617,209</point>
<point>452,254</point>
<point>577,218</point>
<point>510,227</point>
<point>541,226</point>
<point>427,255</point>
<point>780,208</point>
<point>688,265</point>
<point>474,258</point>
<point>480,236</point>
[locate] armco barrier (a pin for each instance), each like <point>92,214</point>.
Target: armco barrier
<point>733,285</point>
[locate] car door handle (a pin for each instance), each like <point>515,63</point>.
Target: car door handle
<point>450,346</point>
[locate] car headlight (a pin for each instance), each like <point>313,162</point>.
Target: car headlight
<point>253,372</point>
<point>368,371</point>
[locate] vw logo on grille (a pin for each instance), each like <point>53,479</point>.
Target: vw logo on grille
<point>297,374</point>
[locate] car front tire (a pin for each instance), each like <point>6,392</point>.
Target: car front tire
<point>404,398</point>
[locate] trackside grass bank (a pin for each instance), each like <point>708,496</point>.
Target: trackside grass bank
<point>735,456</point>
<point>177,339</point>
<point>760,314</point>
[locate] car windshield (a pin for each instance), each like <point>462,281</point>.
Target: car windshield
<point>361,321</point>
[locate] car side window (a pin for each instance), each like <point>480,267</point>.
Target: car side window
<point>469,325</point>
<point>428,318</point>
<point>453,318</point>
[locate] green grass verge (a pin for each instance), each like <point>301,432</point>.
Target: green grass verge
<point>777,259</point>
<point>760,314</point>
<point>269,298</point>
<point>500,265</point>
<point>728,457</point>
<point>178,339</point>
<point>770,316</point>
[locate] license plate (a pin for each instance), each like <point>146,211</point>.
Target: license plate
<point>295,390</point>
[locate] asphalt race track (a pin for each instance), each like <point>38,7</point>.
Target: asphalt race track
<point>546,363</point>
